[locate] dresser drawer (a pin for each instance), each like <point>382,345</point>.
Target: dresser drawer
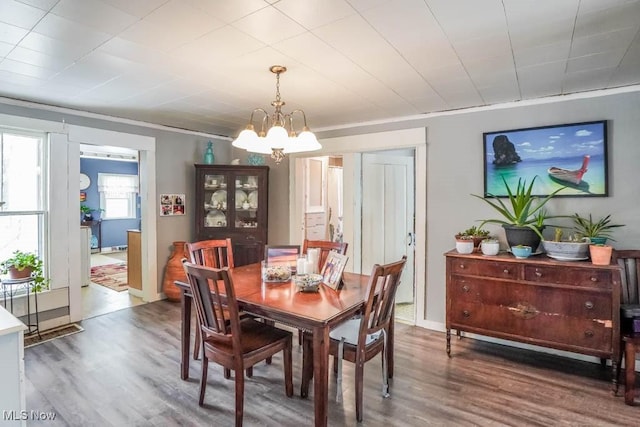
<point>494,269</point>
<point>553,301</point>
<point>570,276</point>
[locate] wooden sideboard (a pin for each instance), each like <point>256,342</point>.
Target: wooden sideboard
<point>571,306</point>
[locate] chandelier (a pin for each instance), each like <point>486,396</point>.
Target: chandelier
<point>277,135</point>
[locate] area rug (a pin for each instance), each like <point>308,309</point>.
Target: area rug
<point>112,276</point>
<point>51,334</point>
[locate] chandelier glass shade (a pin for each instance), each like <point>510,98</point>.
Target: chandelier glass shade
<point>277,135</point>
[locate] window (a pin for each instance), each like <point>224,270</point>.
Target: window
<point>23,194</point>
<point>118,195</point>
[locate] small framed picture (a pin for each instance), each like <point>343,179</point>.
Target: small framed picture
<point>171,204</point>
<point>332,269</point>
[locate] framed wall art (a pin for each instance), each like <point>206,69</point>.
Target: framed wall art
<point>572,155</point>
<point>171,204</point>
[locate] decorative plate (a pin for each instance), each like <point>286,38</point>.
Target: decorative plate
<point>241,196</point>
<point>253,199</point>
<point>215,219</point>
<point>218,197</point>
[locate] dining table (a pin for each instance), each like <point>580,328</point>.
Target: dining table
<point>316,312</point>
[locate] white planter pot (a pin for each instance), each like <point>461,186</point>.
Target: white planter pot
<point>464,246</point>
<point>490,247</point>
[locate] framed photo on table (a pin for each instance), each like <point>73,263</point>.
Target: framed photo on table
<point>332,269</point>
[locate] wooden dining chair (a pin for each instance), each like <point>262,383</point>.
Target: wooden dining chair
<point>325,247</point>
<point>234,343</point>
<point>215,254</point>
<point>359,340</point>
<point>629,261</point>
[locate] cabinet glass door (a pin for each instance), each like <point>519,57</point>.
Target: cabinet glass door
<point>215,200</point>
<point>246,201</point>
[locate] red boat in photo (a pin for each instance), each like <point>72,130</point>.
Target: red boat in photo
<point>569,176</point>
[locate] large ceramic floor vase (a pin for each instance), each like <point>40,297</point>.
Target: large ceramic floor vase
<point>517,235</point>
<point>174,271</point>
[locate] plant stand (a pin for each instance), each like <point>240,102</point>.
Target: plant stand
<point>11,287</point>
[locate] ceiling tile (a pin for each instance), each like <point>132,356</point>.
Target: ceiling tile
<point>5,48</point>
<point>228,11</point>
<point>63,29</point>
<point>541,54</point>
<point>602,42</point>
<point>134,52</point>
<point>269,25</point>
<point>586,80</point>
<point>541,33</point>
<point>11,34</point>
<point>66,49</point>
<point>20,14</point>
<point>40,4</point>
<point>40,59</point>
<point>26,69</point>
<point>315,13</point>
<point>187,20</point>
<point>608,59</point>
<point>610,19</point>
<point>95,14</point>
<point>139,8</point>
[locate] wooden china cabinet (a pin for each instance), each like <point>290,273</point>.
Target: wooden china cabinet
<point>232,201</point>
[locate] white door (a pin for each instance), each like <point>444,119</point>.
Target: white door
<point>388,216</point>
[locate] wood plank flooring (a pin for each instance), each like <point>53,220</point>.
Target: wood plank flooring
<point>123,370</point>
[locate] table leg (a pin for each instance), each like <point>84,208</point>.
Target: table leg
<point>321,375</point>
<point>185,335</point>
<point>630,372</point>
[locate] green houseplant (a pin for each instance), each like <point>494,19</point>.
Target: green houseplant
<point>597,231</point>
<point>477,234</point>
<point>523,217</point>
<point>87,212</point>
<point>25,264</point>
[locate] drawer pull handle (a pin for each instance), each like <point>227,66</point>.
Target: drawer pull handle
<point>588,334</point>
<point>588,305</point>
<point>465,288</point>
<point>524,311</point>
<point>465,313</point>
<point>538,274</point>
<point>505,271</point>
<point>461,266</point>
<point>594,279</point>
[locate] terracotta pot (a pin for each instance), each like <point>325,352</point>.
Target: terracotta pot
<point>174,271</point>
<point>600,255</point>
<point>14,273</point>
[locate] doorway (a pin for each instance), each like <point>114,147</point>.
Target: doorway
<point>381,185</point>
<point>109,191</point>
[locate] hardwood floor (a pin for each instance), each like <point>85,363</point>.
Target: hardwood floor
<point>123,370</point>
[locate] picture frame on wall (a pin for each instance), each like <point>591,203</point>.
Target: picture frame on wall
<point>172,204</point>
<point>572,155</point>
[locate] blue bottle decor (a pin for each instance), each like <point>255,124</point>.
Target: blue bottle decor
<point>208,154</point>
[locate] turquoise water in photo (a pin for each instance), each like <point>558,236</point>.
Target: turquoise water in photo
<point>528,169</point>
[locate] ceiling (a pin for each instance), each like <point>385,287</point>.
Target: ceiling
<point>203,65</point>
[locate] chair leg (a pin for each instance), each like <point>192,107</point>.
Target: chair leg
<point>359,389</point>
<point>249,372</point>
<point>203,380</point>
<point>617,372</point>
<point>239,397</point>
<point>288,369</point>
<point>196,345</point>
<point>630,372</point>
<point>227,373</point>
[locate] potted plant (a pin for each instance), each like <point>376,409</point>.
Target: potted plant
<point>490,246</point>
<point>597,231</point>
<point>476,234</point>
<point>523,218</point>
<point>574,248</point>
<point>25,264</point>
<point>87,212</point>
<point>600,254</point>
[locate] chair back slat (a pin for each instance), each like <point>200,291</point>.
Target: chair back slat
<point>629,260</point>
<point>215,302</point>
<point>381,292</point>
<point>212,253</point>
<point>325,247</point>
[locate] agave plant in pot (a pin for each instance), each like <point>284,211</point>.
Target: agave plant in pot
<point>597,231</point>
<point>523,217</point>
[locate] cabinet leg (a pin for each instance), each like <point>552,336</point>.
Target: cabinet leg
<point>449,342</point>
